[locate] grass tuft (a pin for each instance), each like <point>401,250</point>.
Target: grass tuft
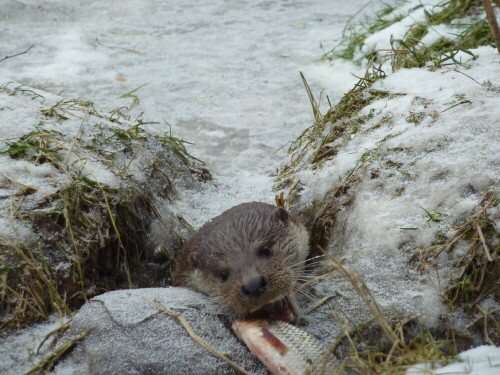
<point>91,237</point>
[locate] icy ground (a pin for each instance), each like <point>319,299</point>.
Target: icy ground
<point>224,75</point>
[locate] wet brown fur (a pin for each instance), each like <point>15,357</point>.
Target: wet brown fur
<point>231,242</point>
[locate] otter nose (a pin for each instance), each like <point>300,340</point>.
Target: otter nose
<point>255,287</point>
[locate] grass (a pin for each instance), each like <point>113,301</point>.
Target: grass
<point>478,269</point>
<point>387,345</point>
<point>91,236</point>
<point>343,118</point>
<point>466,16</point>
<point>357,34</point>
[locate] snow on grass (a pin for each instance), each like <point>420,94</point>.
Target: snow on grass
<point>427,169</point>
<point>439,31</point>
<point>482,360</point>
<point>410,13</point>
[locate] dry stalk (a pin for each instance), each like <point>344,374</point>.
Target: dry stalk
<point>48,362</point>
<point>315,107</point>
<point>362,290</point>
<point>312,281</point>
<point>485,315</point>
<point>492,21</point>
<point>320,303</point>
<point>280,200</point>
<point>195,337</point>
<point>78,135</point>
<point>61,328</point>
<point>481,237</point>
<point>131,159</point>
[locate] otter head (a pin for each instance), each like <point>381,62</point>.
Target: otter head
<point>249,257</point>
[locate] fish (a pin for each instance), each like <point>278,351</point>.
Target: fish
<point>283,348</point>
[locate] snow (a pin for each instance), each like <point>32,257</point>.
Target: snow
<point>26,342</point>
<point>482,360</point>
<point>413,12</point>
<point>225,77</point>
<point>437,170</point>
<point>439,31</point>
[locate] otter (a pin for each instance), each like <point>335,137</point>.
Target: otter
<point>250,258</point>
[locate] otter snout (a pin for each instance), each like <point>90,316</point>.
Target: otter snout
<point>255,287</point>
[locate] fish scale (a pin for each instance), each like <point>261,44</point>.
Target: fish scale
<point>282,347</point>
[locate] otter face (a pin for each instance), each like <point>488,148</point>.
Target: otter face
<point>249,257</point>
<point>259,277</point>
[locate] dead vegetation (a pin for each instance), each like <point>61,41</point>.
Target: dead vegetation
<point>478,269</point>
<point>389,345</point>
<point>90,236</point>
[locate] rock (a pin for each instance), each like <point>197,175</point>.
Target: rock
<point>131,336</point>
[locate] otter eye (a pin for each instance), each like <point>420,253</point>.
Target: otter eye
<point>224,275</point>
<point>265,252</point>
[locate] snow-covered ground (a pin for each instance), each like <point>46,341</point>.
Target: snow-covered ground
<point>224,75</point>
<point>442,163</point>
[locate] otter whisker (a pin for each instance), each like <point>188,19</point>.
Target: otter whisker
<point>306,293</point>
<point>246,258</point>
<point>312,262</point>
<point>310,259</point>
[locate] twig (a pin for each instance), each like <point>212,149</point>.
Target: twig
<point>353,16</point>
<point>195,337</point>
<point>78,136</point>
<point>120,48</point>
<point>48,362</point>
<point>17,54</point>
<point>468,76</point>
<point>492,20</point>
<point>486,250</point>
<point>319,303</point>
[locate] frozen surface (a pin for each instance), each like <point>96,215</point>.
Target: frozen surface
<point>224,75</point>
<point>130,336</point>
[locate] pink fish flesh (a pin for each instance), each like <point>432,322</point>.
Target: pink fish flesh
<point>283,348</point>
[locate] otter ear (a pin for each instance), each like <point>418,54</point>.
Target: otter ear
<point>281,214</point>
